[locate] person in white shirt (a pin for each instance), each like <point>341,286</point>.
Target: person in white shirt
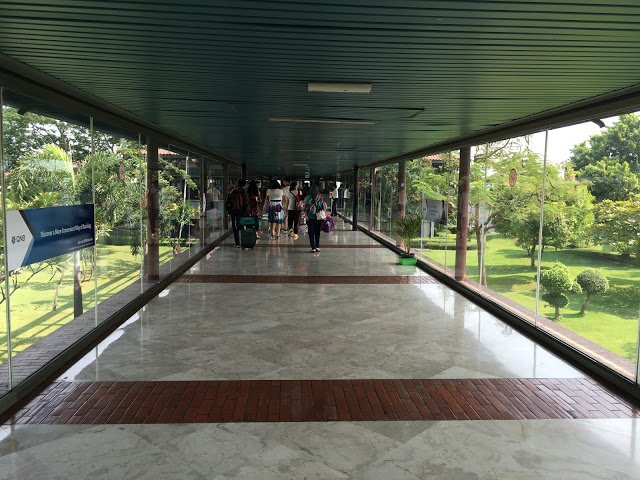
<point>333,195</point>
<point>292,195</point>
<point>273,201</point>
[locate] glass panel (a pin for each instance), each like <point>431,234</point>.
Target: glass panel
<point>386,199</point>
<point>505,197</point>
<point>214,196</point>
<point>364,197</point>
<point>177,212</point>
<point>116,169</point>
<point>46,164</point>
<point>4,334</point>
<point>591,239</point>
<point>346,205</point>
<point>432,193</point>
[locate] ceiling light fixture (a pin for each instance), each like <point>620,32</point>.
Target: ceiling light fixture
<point>339,87</point>
<point>340,121</point>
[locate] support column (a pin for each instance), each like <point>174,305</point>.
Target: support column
<point>462,228</point>
<point>402,194</point>
<point>152,254</point>
<point>225,193</point>
<point>354,199</point>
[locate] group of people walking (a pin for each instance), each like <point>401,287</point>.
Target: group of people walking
<point>286,206</point>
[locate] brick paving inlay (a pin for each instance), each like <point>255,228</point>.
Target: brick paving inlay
<point>316,279</point>
<point>321,400</point>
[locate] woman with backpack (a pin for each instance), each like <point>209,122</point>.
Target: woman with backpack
<point>273,201</point>
<point>316,211</point>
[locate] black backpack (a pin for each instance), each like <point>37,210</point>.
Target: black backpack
<point>235,202</point>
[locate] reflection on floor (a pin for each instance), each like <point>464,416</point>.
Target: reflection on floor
<point>394,346</point>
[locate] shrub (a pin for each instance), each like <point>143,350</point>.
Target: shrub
<point>557,282</point>
<point>592,282</point>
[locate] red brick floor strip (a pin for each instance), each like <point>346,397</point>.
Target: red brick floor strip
<point>322,400</point>
<point>317,279</point>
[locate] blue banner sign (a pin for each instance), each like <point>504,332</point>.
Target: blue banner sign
<point>37,234</point>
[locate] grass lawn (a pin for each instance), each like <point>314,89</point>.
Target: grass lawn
<point>611,321</point>
<point>32,314</point>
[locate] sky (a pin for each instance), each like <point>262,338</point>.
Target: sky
<point>562,140</point>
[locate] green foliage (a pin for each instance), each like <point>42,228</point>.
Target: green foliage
<point>407,229</point>
<point>610,179</point>
<point>558,300</point>
<point>620,141</point>
<point>592,282</point>
<point>117,189</point>
<point>618,225</point>
<point>557,283</point>
<point>175,213</point>
<point>568,207</point>
<point>46,175</point>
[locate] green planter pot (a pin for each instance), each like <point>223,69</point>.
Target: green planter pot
<point>412,260</point>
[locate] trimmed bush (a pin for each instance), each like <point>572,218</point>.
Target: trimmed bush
<point>557,282</point>
<point>592,282</point>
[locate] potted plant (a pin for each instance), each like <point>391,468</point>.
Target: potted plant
<point>407,229</point>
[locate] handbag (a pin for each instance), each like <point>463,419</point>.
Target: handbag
<point>321,215</point>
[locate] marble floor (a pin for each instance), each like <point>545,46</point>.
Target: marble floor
<point>213,330</point>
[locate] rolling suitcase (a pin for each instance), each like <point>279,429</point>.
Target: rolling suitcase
<point>247,228</point>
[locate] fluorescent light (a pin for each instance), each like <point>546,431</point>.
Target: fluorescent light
<point>339,87</point>
<point>306,150</point>
<point>341,121</point>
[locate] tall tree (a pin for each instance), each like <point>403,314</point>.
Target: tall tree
<point>620,142</point>
<point>610,179</point>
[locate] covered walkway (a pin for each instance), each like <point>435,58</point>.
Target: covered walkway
<point>278,363</point>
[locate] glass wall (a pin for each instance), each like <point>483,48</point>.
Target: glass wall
<point>67,161</point>
<point>553,229</point>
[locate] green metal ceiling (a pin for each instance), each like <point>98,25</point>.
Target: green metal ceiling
<point>216,71</point>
